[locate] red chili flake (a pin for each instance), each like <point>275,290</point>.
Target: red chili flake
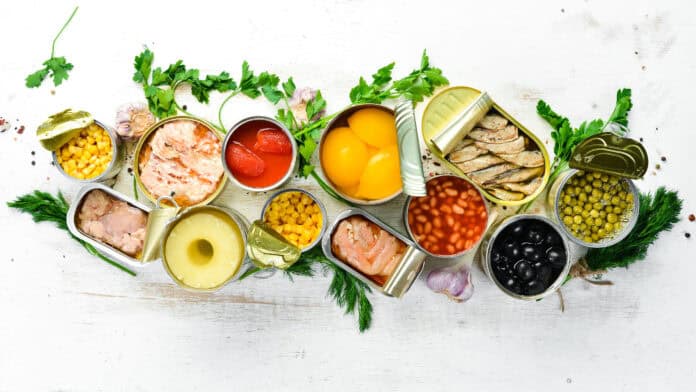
<point>692,217</point>
<point>21,129</point>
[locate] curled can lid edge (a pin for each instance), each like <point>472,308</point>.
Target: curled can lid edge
<point>611,154</point>
<point>411,166</point>
<point>60,127</point>
<point>461,124</point>
<point>267,248</point>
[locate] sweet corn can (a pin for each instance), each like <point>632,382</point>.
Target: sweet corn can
<point>302,212</point>
<point>90,154</point>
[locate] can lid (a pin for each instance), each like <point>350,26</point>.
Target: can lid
<point>61,127</point>
<point>451,115</point>
<point>157,222</point>
<point>267,248</point>
<point>405,273</point>
<point>611,154</point>
<point>411,166</point>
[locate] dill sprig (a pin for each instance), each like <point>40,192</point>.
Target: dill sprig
<point>346,290</point>
<point>44,207</point>
<point>658,213</point>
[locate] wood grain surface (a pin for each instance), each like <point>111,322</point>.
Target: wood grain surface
<point>69,322</point>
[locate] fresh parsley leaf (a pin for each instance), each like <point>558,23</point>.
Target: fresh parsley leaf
<point>315,106</point>
<point>57,67</point>
<point>143,64</point>
<point>289,87</point>
<point>623,106</point>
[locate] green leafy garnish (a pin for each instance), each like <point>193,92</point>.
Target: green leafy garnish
<point>566,138</point>
<point>160,85</point>
<point>56,67</point>
<point>658,213</point>
<point>44,207</point>
<point>418,84</point>
<point>346,290</point>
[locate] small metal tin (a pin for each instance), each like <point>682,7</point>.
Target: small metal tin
<point>293,162</point>
<point>341,120</point>
<point>553,200</point>
<point>405,273</point>
<point>452,113</point>
<point>324,216</point>
<point>238,219</point>
<point>487,248</point>
<point>473,247</point>
<point>146,137</point>
<point>268,249</point>
<point>106,249</point>
<point>411,166</point>
<point>611,154</point>
<point>117,158</point>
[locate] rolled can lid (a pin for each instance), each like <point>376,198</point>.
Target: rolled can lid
<point>61,127</point>
<point>267,248</point>
<point>611,154</point>
<point>157,222</point>
<point>461,123</point>
<point>411,166</point>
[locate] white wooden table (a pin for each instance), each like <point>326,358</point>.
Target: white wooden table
<point>69,322</point>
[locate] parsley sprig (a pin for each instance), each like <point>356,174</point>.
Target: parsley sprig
<point>44,207</point>
<point>56,67</point>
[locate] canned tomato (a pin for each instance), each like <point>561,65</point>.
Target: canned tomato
<point>450,221</point>
<point>259,154</point>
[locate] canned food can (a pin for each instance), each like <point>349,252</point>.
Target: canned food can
<point>104,248</point>
<point>405,273</point>
<point>114,166</point>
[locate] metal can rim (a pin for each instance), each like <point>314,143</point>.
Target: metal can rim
<point>473,247</point>
<point>331,124</point>
<point>628,227</point>
<point>148,133</point>
<point>103,247</point>
<point>110,170</point>
<point>489,247</point>
<point>282,180</point>
<point>322,209</point>
<point>232,214</point>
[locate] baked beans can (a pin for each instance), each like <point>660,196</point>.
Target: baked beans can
<point>450,220</point>
<point>447,124</point>
<point>407,269</point>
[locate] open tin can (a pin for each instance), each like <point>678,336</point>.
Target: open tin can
<point>322,211</point>
<point>108,250</point>
<point>228,139</point>
<point>406,271</point>
<point>239,224</point>
<point>114,166</point>
<point>560,243</point>
<point>453,113</point>
<point>141,147</point>
<point>341,120</point>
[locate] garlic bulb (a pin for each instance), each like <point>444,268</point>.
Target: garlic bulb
<point>298,104</point>
<point>132,120</point>
<point>454,282</point>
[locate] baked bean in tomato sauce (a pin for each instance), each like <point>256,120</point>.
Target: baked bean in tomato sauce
<point>450,219</point>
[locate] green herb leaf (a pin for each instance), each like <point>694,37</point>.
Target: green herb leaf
<point>657,213</point>
<point>44,207</point>
<point>623,106</point>
<point>315,106</point>
<point>289,87</point>
<point>143,64</point>
<point>58,67</point>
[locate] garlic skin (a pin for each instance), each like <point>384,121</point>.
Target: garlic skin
<point>454,282</point>
<point>298,104</point>
<point>132,120</point>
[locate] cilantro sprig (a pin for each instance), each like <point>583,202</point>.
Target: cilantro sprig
<point>56,67</point>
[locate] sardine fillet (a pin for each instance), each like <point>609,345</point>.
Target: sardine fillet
<point>479,163</point>
<point>511,147</point>
<point>481,176</point>
<point>493,121</point>
<point>525,158</point>
<point>506,134</point>
<point>524,187</point>
<point>466,153</point>
<point>518,175</point>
